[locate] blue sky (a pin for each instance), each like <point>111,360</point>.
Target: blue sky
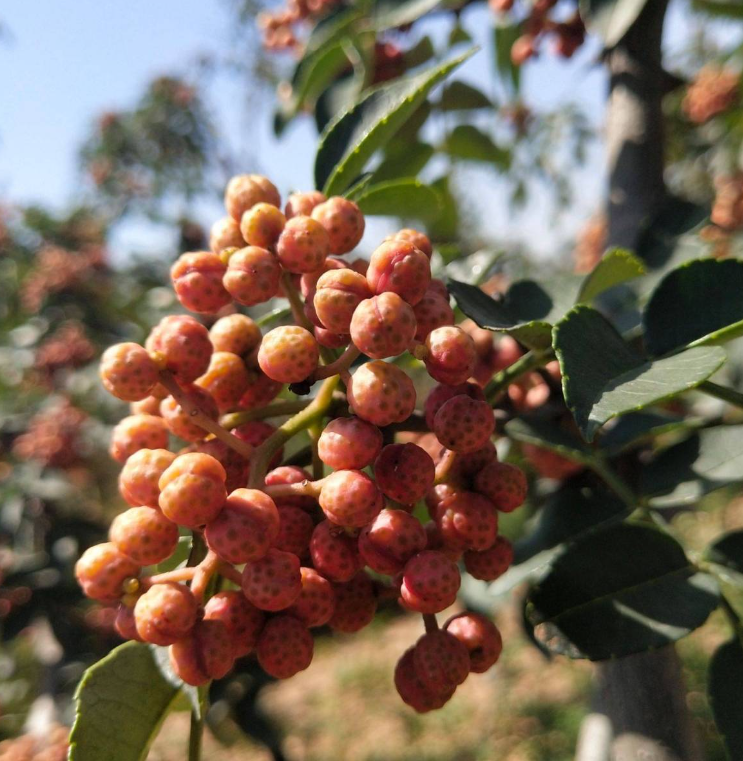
<point>65,62</point>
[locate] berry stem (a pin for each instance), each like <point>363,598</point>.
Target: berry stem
<point>235,419</point>
<point>203,574</point>
<point>318,467</point>
<point>444,466</point>
<point>343,362</point>
<point>526,364</point>
<point>176,575</point>
<point>302,489</point>
<point>430,622</point>
<point>196,731</point>
<point>726,394</point>
<point>273,316</point>
<point>301,421</point>
<point>203,421</point>
<point>229,572</point>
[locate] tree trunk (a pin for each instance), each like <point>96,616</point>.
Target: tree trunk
<point>642,696</point>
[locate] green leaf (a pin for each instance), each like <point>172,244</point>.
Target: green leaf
<point>422,52</point>
<point>623,590</point>
<point>315,73</point>
<point>474,268</point>
<point>727,551</point>
<point>617,266</point>
<point>459,96</point>
<point>696,304</point>
<point>727,8</point>
<point>504,35</point>
<point>444,229</point>
<point>469,143</point>
<point>526,311</point>
<point>570,513</point>
<point>120,704</point>
<point>400,198</point>
<point>545,434</point>
<point>459,35</point>
<point>403,159</point>
<point>332,28</point>
<point>725,687</point>
<point>610,19</point>
<point>637,427</point>
<point>350,139</point>
<point>602,378</point>
<point>709,460</point>
<point>389,14</point>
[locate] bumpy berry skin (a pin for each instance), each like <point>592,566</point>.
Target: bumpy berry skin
<point>285,647</point>
<point>489,564</point>
<point>144,534</point>
<point>412,690</point>
<point>383,326</point>
<point>235,333</point>
<point>273,582</point>
<point>441,394</point>
<point>420,240</point>
<point>260,392</point>
<point>350,498</point>
<point>303,203</point>
<point>184,345</point>
<point>308,280</point>
<point>225,233</point>
<point>137,432</point>
<point>138,480</point>
<point>503,484</point>
<point>349,443</point>
<point>431,312</point>
<point>192,490</point>
<point>439,495</point>
<point>197,281</point>
<point>330,340</point>
<point>246,190</point>
<point>316,601</point>
<point>466,466</point>
<point>334,554</point>
<point>404,472</point>
<point>355,604</point>
<point>252,276</point>
<point>205,653</point>
<point>303,245</point>
<point>245,528</point>
<point>165,613</point>
<point>381,393</point>
<point>451,355</point>
<point>480,636</point>
<point>125,624</point>
<point>128,372</point>
<point>226,379</point>
<point>401,268</point>
<point>150,405</point>
<point>463,424</point>
<point>101,571</point>
<point>390,540</point>
<point>262,224</point>
<point>180,423</point>
<point>441,661</point>
<point>235,465</point>
<point>244,622</point>
<point>295,530</point>
<point>288,354</point>
<point>430,582</point>
<point>291,474</point>
<point>337,294</point>
<point>468,521</point>
<point>343,221</point>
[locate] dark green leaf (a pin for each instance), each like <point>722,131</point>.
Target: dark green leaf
<point>120,704</point>
<point>610,19</point>
<point>623,590</point>
<point>422,52</point>
<point>703,463</point>
<point>545,434</point>
<point>603,378</point>
<point>469,143</point>
<point>526,311</point>
<point>727,8</point>
<point>726,695</point>
<point>504,35</point>
<point>190,693</point>
<point>445,227</point>
<point>315,73</point>
<point>459,96</point>
<point>696,304</point>
<point>459,35</point>
<point>350,140</point>
<point>332,28</point>
<point>389,14</point>
<point>569,513</point>
<point>637,427</point>
<point>727,551</point>
<point>403,159</point>
<point>474,268</point>
<point>616,267</point>
<point>400,198</point>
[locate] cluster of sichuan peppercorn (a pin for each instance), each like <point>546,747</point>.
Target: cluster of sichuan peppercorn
<point>286,551</point>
